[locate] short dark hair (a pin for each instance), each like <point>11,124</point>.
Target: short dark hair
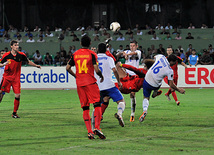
<point>13,42</point>
<point>134,41</point>
<point>85,41</point>
<point>102,48</point>
<point>172,57</point>
<point>149,63</point>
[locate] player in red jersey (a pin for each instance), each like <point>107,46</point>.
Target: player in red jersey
<point>131,83</point>
<point>134,83</point>
<point>12,61</point>
<point>86,62</point>
<point>175,76</point>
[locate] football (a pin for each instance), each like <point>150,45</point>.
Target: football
<point>115,26</point>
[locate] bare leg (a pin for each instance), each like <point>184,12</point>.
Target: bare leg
<point>121,71</point>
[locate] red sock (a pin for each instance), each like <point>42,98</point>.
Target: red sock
<point>169,92</point>
<point>97,117</point>
<point>104,105</point>
<point>174,96</point>
<point>87,120</point>
<point>16,104</point>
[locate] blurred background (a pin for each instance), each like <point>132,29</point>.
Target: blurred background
<point>128,13</point>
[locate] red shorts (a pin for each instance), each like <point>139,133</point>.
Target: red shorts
<point>88,94</point>
<point>175,80</point>
<point>6,85</point>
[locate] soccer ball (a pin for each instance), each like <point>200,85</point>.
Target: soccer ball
<point>115,26</point>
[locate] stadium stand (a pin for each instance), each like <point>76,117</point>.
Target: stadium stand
<point>202,38</point>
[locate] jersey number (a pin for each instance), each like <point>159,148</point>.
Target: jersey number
<point>156,68</point>
<point>82,66</point>
<point>101,69</point>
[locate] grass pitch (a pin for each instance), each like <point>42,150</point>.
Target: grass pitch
<point>51,123</point>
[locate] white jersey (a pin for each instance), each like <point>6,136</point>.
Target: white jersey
<point>106,64</point>
<point>133,60</point>
<point>158,71</point>
<point>1,72</point>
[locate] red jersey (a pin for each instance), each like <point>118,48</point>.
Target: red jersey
<point>84,60</point>
<point>132,83</point>
<point>175,67</point>
<point>12,71</point>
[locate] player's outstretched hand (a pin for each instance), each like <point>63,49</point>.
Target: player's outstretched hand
<point>38,66</point>
<point>181,90</point>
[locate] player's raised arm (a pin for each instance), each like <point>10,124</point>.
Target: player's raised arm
<point>33,64</point>
<point>183,64</point>
<point>132,53</point>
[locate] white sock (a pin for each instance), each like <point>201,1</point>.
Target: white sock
<point>133,105</point>
<point>120,108</point>
<point>92,121</point>
<point>145,104</point>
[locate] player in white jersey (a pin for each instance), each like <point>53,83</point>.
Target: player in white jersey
<point>154,77</point>
<point>107,87</point>
<point>2,68</point>
<point>132,57</point>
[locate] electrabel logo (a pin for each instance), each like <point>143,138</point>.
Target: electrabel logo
<point>49,77</point>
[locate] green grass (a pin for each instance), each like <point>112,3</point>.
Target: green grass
<point>51,123</point>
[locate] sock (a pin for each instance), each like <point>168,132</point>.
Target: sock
<point>97,117</point>
<point>92,121</point>
<point>104,105</point>
<point>16,104</point>
<point>169,92</point>
<point>174,96</point>
<point>87,120</point>
<point>133,105</point>
<point>120,108</point>
<point>145,104</point>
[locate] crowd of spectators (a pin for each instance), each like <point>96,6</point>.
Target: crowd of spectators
<point>61,57</point>
<point>205,57</point>
<point>98,31</point>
